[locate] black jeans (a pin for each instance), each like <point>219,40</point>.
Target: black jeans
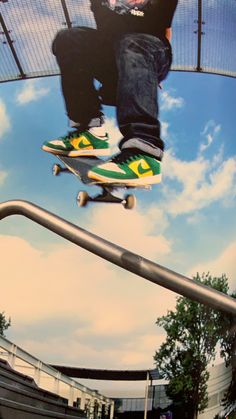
<point>129,69</point>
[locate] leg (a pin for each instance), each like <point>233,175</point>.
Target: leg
<point>80,55</point>
<point>106,70</point>
<point>142,61</point>
<point>76,53</point>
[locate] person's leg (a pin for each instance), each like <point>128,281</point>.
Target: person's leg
<point>77,53</point>
<point>143,61</point>
<point>75,50</point>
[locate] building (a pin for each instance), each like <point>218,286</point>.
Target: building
<point>219,381</point>
<point>91,403</point>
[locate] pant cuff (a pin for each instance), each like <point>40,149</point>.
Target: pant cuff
<point>94,122</point>
<point>143,146</point>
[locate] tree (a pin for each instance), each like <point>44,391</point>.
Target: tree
<point>193,332</point>
<point>228,352</point>
<point>4,323</point>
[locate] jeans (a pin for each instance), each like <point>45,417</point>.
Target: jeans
<point>129,68</point>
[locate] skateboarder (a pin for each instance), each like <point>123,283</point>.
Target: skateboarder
<point>129,54</point>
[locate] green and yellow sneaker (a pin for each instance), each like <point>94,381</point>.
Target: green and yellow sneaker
<point>77,143</point>
<point>130,167</point>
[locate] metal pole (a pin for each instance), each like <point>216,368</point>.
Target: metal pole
<point>10,43</point>
<point>121,257</point>
<point>66,13</point>
<point>199,31</point>
<point>146,397</point>
<point>112,409</point>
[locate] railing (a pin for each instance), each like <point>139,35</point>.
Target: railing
<point>51,379</point>
<point>121,257</point>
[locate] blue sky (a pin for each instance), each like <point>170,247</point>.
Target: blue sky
<point>60,296</point>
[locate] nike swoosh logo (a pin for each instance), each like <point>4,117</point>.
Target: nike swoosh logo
<point>80,143</point>
<point>141,170</point>
<point>84,145</point>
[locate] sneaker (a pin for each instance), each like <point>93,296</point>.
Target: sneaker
<point>130,167</point>
<point>79,143</point>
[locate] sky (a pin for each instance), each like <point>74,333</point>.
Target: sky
<point>68,306</point>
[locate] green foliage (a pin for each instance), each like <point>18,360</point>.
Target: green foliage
<point>193,332</point>
<point>228,352</point>
<point>4,323</point>
<point>228,337</point>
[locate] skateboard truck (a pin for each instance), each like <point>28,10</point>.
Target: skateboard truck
<point>57,169</point>
<point>79,167</point>
<point>128,202</point>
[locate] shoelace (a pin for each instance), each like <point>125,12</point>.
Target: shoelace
<point>126,155</point>
<point>69,135</point>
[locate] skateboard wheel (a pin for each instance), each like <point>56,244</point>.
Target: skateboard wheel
<point>56,169</point>
<point>82,198</point>
<point>130,202</point>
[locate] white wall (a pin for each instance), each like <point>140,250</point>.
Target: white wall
<point>219,381</point>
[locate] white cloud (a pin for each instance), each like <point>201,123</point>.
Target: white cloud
<point>169,102</point>
<point>115,311</point>
<point>114,133</point>
<point>4,119</point>
<point>202,182</point>
<point>210,132</point>
<point>195,218</point>
<point>158,219</point>
<point>3,176</point>
<point>224,263</point>
<point>112,312</point>
<point>164,129</point>
<point>31,92</point>
<point>132,229</point>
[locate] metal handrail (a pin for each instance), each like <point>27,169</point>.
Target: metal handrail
<point>121,256</point>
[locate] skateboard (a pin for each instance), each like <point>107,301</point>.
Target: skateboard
<point>79,166</point>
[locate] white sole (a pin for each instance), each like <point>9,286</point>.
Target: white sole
<point>79,153</point>
<point>145,181</point>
